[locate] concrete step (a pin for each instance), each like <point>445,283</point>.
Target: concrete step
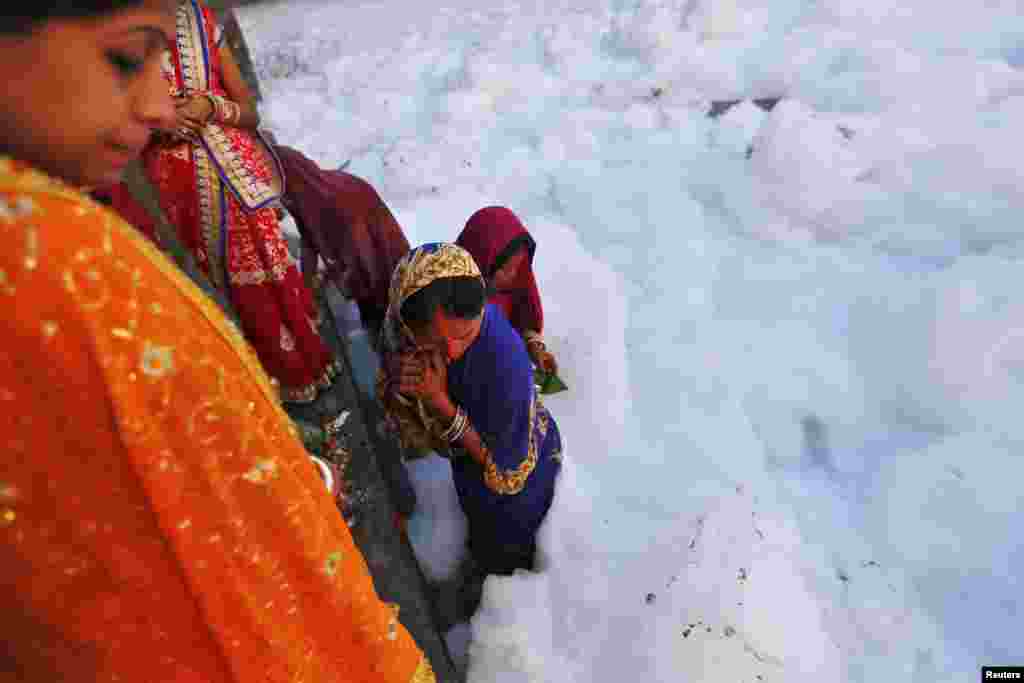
<point>372,459</point>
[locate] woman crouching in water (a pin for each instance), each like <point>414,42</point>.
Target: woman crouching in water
<point>456,378</point>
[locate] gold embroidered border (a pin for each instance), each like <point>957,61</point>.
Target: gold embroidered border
<point>252,192</point>
<point>511,482</point>
<point>190,47</point>
<point>211,212</point>
<point>424,673</point>
<point>195,73</point>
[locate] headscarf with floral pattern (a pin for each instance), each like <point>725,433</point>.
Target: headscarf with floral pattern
<point>416,427</point>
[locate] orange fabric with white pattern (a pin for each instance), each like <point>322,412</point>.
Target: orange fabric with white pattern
<point>159,520</point>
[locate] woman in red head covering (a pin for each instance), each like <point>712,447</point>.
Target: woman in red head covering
<point>504,250</point>
<point>344,221</point>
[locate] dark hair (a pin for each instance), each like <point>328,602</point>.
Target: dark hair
<point>460,297</point>
<point>27,14</point>
<point>511,248</point>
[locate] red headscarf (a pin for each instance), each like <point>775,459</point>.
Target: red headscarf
<point>487,234</point>
<point>344,219</point>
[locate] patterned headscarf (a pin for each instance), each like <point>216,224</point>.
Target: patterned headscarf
<point>416,428</point>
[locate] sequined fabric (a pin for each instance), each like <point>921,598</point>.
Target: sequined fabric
<point>245,162</point>
<point>216,192</point>
<point>159,519</point>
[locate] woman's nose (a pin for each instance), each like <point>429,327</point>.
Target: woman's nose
<point>154,105</point>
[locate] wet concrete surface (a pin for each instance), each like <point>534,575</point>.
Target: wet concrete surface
<point>373,475</point>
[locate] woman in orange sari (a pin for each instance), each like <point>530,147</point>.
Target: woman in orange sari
<point>218,181</point>
<point>159,520</point>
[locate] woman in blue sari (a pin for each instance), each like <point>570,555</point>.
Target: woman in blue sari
<point>457,378</point>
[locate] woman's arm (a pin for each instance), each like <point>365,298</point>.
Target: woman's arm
<point>238,109</point>
<point>538,352</point>
<point>501,481</point>
<point>426,377</point>
<point>237,89</point>
<point>505,470</point>
<point>310,262</point>
<point>470,441</point>
<point>507,462</point>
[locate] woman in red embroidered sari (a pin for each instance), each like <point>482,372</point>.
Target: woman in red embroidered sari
<point>218,181</point>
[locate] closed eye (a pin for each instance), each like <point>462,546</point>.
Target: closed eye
<point>126,64</point>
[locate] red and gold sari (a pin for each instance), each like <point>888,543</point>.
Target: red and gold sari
<point>218,192</point>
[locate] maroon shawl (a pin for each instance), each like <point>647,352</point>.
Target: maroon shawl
<point>121,200</point>
<point>346,222</point>
<point>486,236</point>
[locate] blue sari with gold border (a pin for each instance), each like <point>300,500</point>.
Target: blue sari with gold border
<point>505,502</point>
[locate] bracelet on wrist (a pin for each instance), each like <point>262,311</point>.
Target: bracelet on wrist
<point>457,429</point>
<point>225,111</point>
<point>462,429</point>
<point>213,107</point>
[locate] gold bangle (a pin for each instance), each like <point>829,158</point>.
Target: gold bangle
<point>211,98</point>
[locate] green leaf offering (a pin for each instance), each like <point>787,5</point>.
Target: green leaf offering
<point>312,437</point>
<point>549,384</point>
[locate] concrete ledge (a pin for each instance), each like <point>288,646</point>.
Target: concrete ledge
<point>396,572</point>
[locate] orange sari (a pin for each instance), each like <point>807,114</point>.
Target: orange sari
<point>159,521</point>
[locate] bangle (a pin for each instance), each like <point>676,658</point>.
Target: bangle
<point>211,98</point>
<point>458,427</point>
<point>225,111</point>
<point>534,339</point>
<point>325,473</point>
<point>462,430</point>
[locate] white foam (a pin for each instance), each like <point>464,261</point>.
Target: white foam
<point>829,325</point>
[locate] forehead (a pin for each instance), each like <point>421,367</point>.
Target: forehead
<point>519,254</point>
<point>516,259</point>
<point>151,18</point>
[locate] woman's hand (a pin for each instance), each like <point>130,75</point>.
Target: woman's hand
<point>543,359</point>
<point>405,373</point>
<point>193,113</point>
<point>422,375</point>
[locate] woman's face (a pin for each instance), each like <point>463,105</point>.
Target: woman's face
<point>82,96</point>
<point>450,335</point>
<point>506,276</point>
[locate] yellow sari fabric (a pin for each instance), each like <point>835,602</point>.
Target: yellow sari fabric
<point>159,520</point>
